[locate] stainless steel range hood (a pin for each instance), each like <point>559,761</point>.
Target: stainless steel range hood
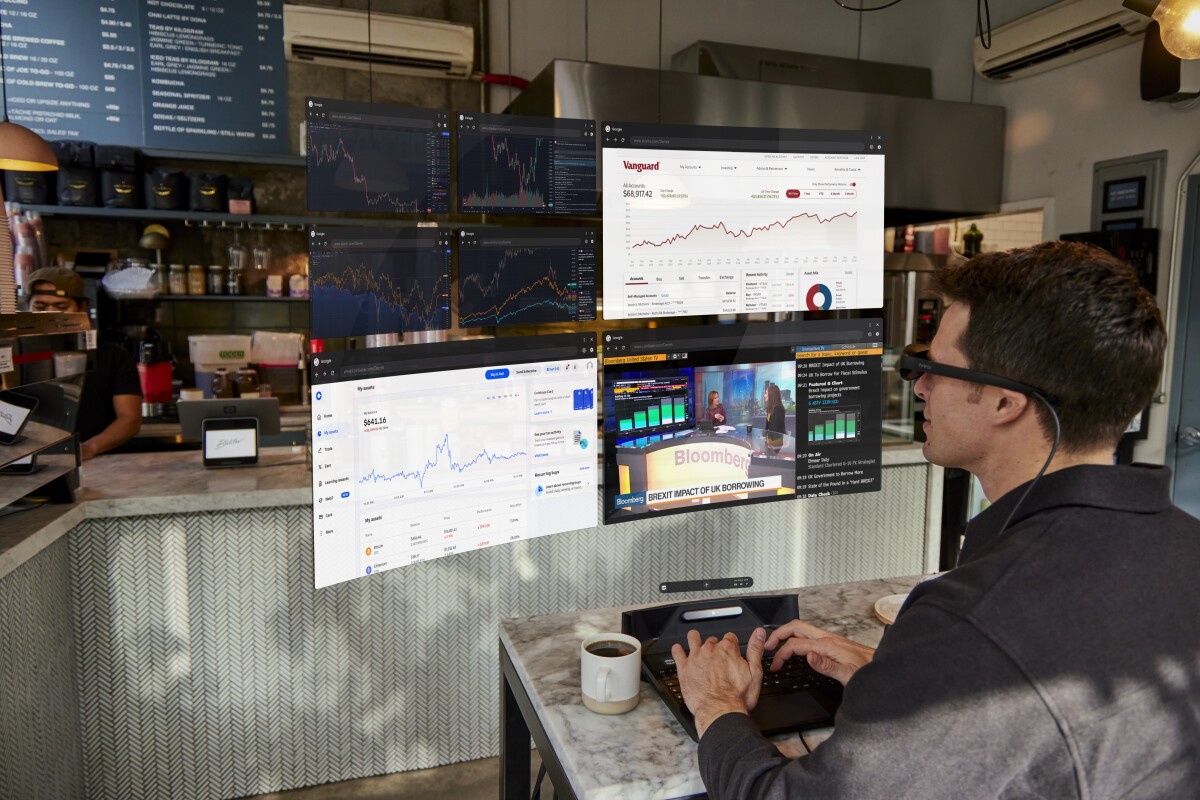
<point>944,159</point>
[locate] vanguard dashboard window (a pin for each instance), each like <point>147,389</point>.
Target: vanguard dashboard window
<point>718,220</point>
<point>703,416</point>
<point>422,451</point>
<point>526,165</point>
<point>378,280</point>
<point>526,275</point>
<point>374,157</point>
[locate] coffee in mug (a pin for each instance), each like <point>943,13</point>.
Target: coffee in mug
<point>610,672</point>
<point>611,649</point>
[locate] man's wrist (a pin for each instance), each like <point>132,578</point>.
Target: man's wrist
<point>711,713</point>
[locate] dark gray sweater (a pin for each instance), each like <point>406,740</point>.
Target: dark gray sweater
<point>1058,660</point>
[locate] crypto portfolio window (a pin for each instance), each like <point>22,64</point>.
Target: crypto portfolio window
<point>423,451</point>
<point>378,280</point>
<point>521,276</point>
<point>375,157</point>
<point>526,165</point>
<point>718,220</point>
<point>700,417</point>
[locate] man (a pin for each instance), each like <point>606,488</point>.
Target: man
<point>1061,657</point>
<point>110,407</point>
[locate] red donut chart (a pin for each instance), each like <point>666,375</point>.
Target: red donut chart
<point>819,298</point>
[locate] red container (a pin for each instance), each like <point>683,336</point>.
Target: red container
<point>156,382</point>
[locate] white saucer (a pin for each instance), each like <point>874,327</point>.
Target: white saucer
<point>886,608</point>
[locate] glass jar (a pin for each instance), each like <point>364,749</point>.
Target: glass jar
<point>233,280</point>
<point>195,279</point>
<point>216,279</point>
<point>177,280</point>
<point>246,380</point>
<point>222,387</point>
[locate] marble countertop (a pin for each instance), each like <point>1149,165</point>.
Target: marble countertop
<point>173,482</point>
<point>136,484</point>
<point>645,754</point>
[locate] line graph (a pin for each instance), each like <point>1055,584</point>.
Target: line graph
<point>517,285</point>
<point>369,293</point>
<point>377,169</point>
<point>845,236</point>
<point>503,172</point>
<point>373,476</point>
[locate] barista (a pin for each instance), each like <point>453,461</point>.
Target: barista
<point>110,406</point>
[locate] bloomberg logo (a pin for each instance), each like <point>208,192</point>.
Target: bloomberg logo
<point>722,456</point>
<point>635,165</point>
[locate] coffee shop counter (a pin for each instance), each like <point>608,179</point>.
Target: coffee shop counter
<point>139,484</point>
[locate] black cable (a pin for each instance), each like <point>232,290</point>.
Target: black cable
<point>660,34</point>
<point>510,72</point>
<point>370,59</point>
<point>982,11</point>
<point>858,51</point>
<point>1053,449</point>
<point>873,8</point>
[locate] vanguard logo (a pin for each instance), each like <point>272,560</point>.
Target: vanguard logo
<point>640,167</point>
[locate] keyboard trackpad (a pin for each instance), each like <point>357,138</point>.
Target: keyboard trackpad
<point>788,710</point>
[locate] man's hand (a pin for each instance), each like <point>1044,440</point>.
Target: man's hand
<point>827,653</point>
<point>715,679</point>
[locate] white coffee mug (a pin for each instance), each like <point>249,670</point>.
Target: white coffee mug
<point>610,667</point>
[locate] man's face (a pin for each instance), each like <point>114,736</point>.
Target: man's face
<point>954,424</point>
<point>42,298</point>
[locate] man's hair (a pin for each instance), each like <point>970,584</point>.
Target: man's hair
<point>1068,319</point>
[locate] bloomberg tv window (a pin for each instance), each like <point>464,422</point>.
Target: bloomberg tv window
<point>700,417</point>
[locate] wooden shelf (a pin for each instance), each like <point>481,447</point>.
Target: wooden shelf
<point>14,487</point>
<point>209,297</point>
<point>205,219</point>
<point>33,439</point>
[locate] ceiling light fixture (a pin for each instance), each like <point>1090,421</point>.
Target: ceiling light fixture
<point>1178,21</point>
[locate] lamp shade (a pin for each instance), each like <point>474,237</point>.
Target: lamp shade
<point>22,149</point>
<point>1179,27</point>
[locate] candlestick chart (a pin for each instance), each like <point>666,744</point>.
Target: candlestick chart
<point>524,285</point>
<point>365,293</point>
<point>377,170</point>
<point>509,173</point>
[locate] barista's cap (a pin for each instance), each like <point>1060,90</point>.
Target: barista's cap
<point>66,282</point>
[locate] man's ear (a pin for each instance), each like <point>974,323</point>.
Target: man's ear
<point>1008,406</point>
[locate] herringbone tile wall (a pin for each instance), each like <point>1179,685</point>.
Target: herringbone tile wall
<point>40,754</point>
<point>209,667</point>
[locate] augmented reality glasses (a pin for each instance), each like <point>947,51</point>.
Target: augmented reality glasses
<point>915,361</point>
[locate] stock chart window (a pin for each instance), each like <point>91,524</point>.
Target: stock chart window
<point>526,276</point>
<point>374,157</point>
<point>423,451</point>
<point>706,416</point>
<point>378,280</point>
<point>526,165</point>
<point>719,220</point>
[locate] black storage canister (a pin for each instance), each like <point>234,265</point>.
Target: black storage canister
<point>120,178</point>
<point>241,195</point>
<point>118,158</point>
<point>30,188</point>
<point>76,179</point>
<point>207,192</point>
<point>166,190</point>
<point>121,189</point>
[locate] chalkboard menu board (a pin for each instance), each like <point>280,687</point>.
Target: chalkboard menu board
<point>205,75</point>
